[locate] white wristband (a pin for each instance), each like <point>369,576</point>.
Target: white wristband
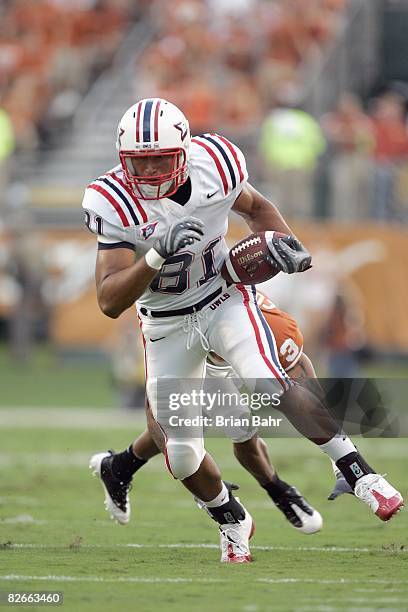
<point>154,260</point>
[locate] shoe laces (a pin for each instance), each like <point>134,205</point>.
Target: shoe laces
<point>232,535</point>
<point>192,326</point>
<point>363,489</point>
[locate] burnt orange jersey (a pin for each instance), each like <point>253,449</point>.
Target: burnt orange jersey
<point>288,337</point>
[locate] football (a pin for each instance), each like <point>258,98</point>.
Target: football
<point>247,262</point>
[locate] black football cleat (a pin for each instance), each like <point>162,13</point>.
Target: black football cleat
<point>298,512</point>
<point>116,489</point>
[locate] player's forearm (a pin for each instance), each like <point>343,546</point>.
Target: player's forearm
<point>265,216</point>
<point>120,290</point>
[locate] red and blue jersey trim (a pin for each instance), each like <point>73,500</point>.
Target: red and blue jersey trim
<point>267,349</point>
<point>121,198</point>
<point>225,157</point>
<point>111,201</point>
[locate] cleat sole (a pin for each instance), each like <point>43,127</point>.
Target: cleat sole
<point>393,513</point>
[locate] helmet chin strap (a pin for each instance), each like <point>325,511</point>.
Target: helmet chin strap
<point>151,190</point>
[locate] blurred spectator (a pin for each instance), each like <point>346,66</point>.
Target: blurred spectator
<point>291,144</point>
<point>223,8</point>
<point>241,112</point>
<point>6,150</point>
<point>52,48</point>
<point>247,54</point>
<point>351,139</point>
<point>29,317</point>
<point>344,336</point>
<point>228,63</point>
<point>128,365</point>
<point>391,153</point>
<point>26,268</point>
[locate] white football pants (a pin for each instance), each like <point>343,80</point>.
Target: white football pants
<point>176,348</point>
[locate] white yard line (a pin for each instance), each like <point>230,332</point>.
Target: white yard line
<point>182,545</point>
<point>47,459</point>
<point>19,500</point>
<point>328,581</point>
<point>25,519</point>
<point>71,418</point>
<point>57,460</point>
<point>154,580</point>
<point>373,590</point>
<point>378,600</point>
<point>142,579</point>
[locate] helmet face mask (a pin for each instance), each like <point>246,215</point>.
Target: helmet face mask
<point>153,142</point>
<point>160,184</point>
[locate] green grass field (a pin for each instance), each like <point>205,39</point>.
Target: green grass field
<point>56,535</point>
<point>49,380</point>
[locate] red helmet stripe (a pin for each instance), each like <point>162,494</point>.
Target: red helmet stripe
<point>139,108</point>
<point>156,121</point>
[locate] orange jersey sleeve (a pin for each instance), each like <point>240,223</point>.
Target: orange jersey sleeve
<point>288,337</point>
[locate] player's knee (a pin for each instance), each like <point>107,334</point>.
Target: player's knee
<point>184,457</point>
<point>246,439</point>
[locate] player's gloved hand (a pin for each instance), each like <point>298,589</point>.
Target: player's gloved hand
<point>288,253</point>
<point>179,234</point>
<point>341,486</point>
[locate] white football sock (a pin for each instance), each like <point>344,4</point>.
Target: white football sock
<point>338,447</point>
<point>221,498</point>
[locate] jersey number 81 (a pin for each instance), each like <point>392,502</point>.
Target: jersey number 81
<point>174,276</point>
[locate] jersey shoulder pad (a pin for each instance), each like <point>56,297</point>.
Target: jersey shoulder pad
<point>111,194</point>
<point>221,163</point>
<point>101,217</point>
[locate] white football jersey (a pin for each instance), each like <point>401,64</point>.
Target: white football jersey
<point>217,172</point>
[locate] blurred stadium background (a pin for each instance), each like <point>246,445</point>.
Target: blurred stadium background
<point>315,93</point>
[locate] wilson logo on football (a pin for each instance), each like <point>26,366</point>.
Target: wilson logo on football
<point>243,259</point>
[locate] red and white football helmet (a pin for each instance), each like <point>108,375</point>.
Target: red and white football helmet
<point>154,127</point>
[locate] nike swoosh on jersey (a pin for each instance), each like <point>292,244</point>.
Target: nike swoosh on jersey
<point>210,195</point>
<point>157,339</point>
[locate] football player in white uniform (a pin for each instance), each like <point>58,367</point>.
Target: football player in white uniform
<point>161,217</point>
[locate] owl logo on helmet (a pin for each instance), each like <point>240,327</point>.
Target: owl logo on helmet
<point>153,141</point>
